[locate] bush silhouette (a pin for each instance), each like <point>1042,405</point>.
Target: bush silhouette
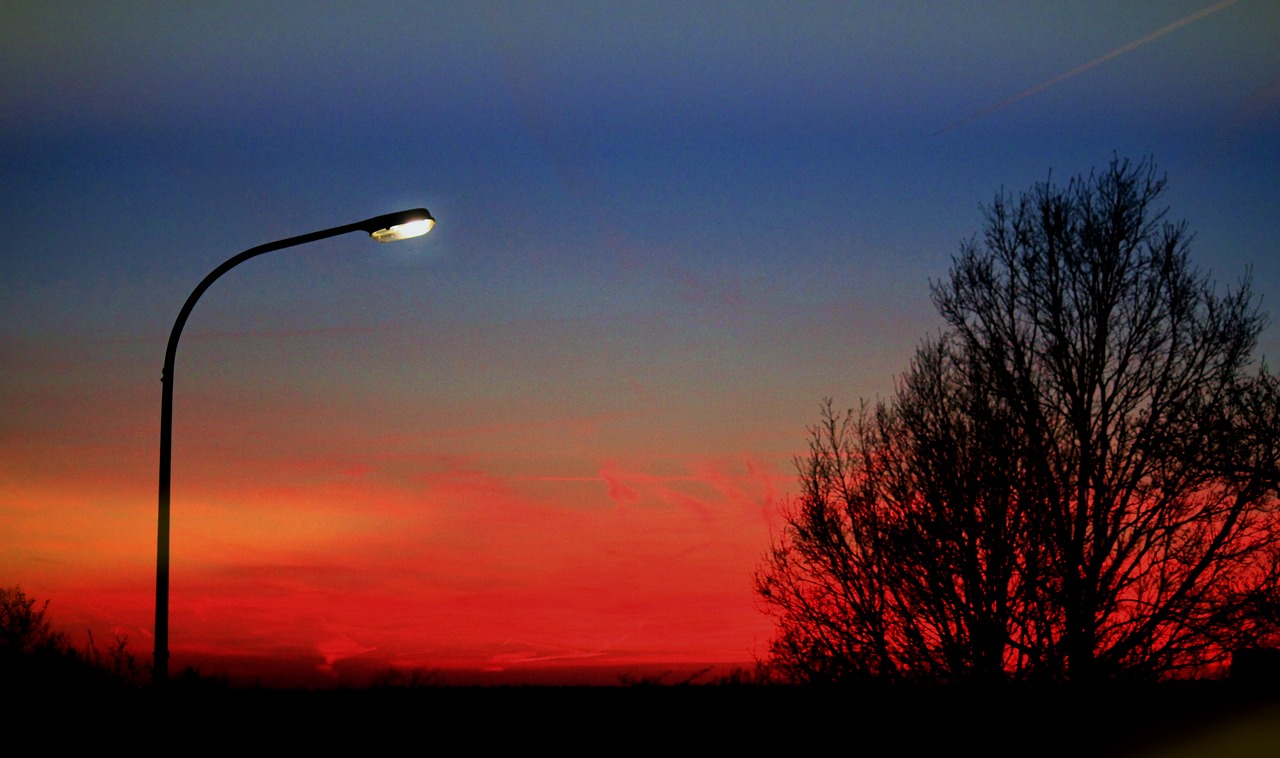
<point>34,657</point>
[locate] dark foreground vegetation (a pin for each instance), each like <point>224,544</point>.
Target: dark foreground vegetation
<point>103,698</point>
<point>34,657</point>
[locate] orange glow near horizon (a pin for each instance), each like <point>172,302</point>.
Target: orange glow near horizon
<point>531,496</point>
<point>427,561</point>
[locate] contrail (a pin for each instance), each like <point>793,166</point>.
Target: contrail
<point>1157,34</point>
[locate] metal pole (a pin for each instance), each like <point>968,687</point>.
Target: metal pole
<point>160,668</point>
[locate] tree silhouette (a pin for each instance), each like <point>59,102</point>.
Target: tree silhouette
<point>1076,480</point>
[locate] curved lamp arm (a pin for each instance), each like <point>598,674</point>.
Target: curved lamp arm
<point>386,228</point>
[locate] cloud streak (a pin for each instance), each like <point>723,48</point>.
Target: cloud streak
<point>1157,34</point>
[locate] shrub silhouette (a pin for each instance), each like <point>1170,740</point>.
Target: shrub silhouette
<point>34,657</point>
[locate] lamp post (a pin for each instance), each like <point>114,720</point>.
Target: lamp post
<point>387,228</point>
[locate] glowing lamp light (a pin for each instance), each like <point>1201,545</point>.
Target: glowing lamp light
<point>407,230</point>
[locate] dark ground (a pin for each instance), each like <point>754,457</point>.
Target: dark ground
<point>1171,719</point>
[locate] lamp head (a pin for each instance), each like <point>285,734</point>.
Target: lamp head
<point>404,225</point>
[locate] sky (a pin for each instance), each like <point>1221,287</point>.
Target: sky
<point>552,435</point>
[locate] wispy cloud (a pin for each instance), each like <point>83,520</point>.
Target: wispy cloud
<point>337,649</point>
<point>619,492</point>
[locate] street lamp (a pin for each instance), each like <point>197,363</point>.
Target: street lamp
<point>391,227</point>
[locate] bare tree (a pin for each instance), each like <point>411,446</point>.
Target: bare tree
<point>1076,480</point>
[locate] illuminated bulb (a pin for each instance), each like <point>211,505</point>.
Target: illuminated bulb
<point>404,231</point>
